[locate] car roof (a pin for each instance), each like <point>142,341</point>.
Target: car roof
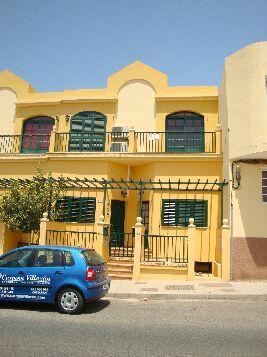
<point>58,247</point>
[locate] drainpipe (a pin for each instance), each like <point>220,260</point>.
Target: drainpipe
<point>231,236</point>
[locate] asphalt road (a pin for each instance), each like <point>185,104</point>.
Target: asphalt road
<point>136,328</point>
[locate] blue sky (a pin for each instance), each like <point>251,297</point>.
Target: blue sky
<point>65,44</point>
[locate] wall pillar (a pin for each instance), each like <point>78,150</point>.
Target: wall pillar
<point>218,134</point>
<point>52,140</point>
<point>226,247</point>
<point>137,248</point>
<point>191,249</point>
<point>132,145</point>
<point>102,239</point>
<point>43,228</point>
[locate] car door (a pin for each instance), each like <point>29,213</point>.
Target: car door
<point>45,274</point>
<point>13,274</point>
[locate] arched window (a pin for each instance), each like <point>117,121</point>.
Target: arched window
<point>87,131</point>
<point>184,132</point>
<point>36,134</point>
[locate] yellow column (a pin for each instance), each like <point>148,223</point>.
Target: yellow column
<point>52,140</point>
<point>43,227</point>
<point>102,240</point>
<point>2,237</point>
<point>137,248</point>
<point>226,246</point>
<point>191,249</point>
<point>218,134</point>
<point>132,146</point>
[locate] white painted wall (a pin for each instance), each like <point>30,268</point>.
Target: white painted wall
<point>7,111</point>
<point>136,106</point>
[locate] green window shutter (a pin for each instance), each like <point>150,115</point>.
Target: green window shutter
<point>178,212</point>
<point>87,210</point>
<point>201,213</point>
<point>62,209</point>
<point>168,216</point>
<point>76,209</point>
<point>184,212</point>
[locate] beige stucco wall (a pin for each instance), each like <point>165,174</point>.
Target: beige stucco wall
<point>136,106</point>
<point>8,99</point>
<point>242,114</point>
<point>244,110</point>
<point>249,211</point>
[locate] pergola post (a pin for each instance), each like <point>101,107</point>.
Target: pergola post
<point>2,237</point>
<point>191,249</point>
<point>43,228</point>
<point>102,239</point>
<point>226,246</point>
<point>137,248</point>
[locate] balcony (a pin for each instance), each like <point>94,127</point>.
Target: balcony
<point>121,142</point>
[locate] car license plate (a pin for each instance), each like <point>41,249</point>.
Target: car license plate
<point>105,287</point>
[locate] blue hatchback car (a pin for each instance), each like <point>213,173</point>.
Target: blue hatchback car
<point>66,276</point>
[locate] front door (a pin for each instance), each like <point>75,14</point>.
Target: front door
<point>117,223</point>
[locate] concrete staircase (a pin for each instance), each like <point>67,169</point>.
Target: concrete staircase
<point>120,269</point>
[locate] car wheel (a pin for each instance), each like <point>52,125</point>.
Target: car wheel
<point>70,301</point>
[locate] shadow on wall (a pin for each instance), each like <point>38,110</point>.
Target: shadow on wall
<point>250,225</point>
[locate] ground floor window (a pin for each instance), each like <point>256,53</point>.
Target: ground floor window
<point>76,209</point>
<point>145,215</point>
<point>177,212</point>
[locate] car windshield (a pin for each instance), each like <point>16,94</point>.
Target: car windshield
<point>92,258</point>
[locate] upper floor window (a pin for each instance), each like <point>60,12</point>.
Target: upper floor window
<point>36,134</point>
<point>87,131</point>
<point>264,185</point>
<point>184,132</point>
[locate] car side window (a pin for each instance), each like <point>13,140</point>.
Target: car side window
<point>18,259</point>
<point>47,258</point>
<point>67,259</point>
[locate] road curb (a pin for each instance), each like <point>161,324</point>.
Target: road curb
<point>238,297</point>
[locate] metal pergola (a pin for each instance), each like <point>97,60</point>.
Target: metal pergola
<point>125,185</point>
<point>112,184</point>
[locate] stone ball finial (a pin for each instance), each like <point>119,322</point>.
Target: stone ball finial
<point>138,219</point>
<point>225,223</point>
<point>191,221</point>
<point>45,215</point>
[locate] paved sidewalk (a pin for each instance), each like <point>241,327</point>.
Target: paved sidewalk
<point>176,290</point>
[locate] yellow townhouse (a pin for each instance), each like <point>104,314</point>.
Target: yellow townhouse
<point>139,159</point>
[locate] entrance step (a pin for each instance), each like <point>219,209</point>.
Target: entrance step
<point>120,269</point>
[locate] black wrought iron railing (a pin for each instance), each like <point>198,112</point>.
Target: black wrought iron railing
<point>91,142</point>
<point>140,142</point>
<point>71,238</point>
<point>15,144</point>
<point>164,249</point>
<point>121,245</point>
<point>176,142</point>
<point>10,144</point>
